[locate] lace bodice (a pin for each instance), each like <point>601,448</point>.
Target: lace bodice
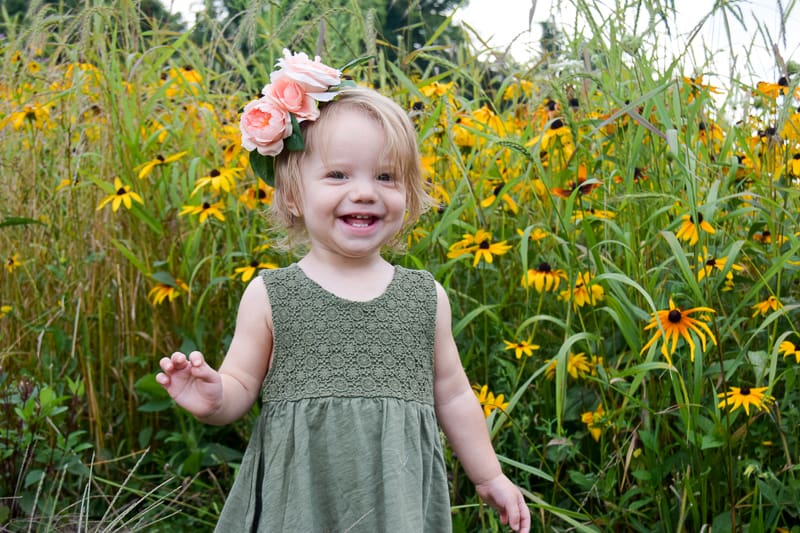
<point>326,346</point>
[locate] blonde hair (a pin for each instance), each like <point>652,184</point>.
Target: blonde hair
<point>401,149</point>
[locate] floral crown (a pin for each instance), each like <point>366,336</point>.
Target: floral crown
<point>271,123</point>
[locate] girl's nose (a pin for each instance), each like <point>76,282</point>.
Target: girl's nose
<point>362,190</point>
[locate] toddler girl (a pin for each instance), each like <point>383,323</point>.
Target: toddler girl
<point>353,357</point>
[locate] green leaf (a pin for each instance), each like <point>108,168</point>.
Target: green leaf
<point>263,166</point>
<point>163,277</point>
<point>295,142</point>
<point>356,62</point>
<point>18,221</point>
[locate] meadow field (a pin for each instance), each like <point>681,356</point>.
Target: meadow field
<point>619,238</point>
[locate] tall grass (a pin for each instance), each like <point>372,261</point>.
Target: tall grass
<point>569,188</point>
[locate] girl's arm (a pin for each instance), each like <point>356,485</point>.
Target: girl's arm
<point>461,417</point>
<point>220,397</point>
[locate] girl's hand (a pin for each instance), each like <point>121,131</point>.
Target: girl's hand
<point>193,384</point>
<point>506,498</point>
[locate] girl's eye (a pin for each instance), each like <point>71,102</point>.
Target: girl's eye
<point>385,177</point>
<point>336,174</point>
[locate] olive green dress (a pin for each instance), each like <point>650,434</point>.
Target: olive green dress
<point>347,438</point>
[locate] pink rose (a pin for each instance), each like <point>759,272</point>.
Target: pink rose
<point>314,76</point>
<point>290,95</point>
<point>264,125</point>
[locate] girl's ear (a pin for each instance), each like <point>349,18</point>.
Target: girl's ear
<point>291,205</point>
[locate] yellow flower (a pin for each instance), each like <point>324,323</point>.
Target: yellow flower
<point>247,272</point>
<point>36,115</point>
<point>480,245</point>
<point>521,347</point>
<point>488,400</point>
<point>436,89</point>
<point>745,396</point>
<point>123,195</point>
<point>146,168</point>
<point>595,421</point>
<point>766,237</point>
<point>762,308</point>
<point>5,310</point>
<point>205,210</point>
<point>676,323</point>
<point>259,194</point>
<point>164,291</point>
<point>578,366</point>
<point>689,229</point>
<point>508,201</point>
<point>584,292</point>
<point>13,263</point>
<point>709,263</point>
<point>543,278</point>
<point>224,180</point>
<point>788,348</point>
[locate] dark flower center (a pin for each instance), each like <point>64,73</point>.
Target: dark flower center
<point>551,105</point>
<point>497,189</point>
<point>206,205</point>
<point>573,102</point>
<point>262,194</point>
<point>253,263</point>
<point>160,158</point>
<point>557,123</point>
<point>545,268</point>
<point>214,173</point>
<point>484,245</point>
<point>711,262</point>
<point>674,316</point>
<point>745,391</point>
<point>121,191</point>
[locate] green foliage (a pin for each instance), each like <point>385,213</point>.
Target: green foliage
<point>570,194</point>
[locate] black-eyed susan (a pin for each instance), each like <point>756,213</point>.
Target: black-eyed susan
<point>788,348</point>
<point>696,86</point>
<point>163,291</point>
<point>592,214</point>
<point>765,306</point>
<point>708,263</point>
<point>436,89</point>
<point>578,366</point>
<point>248,271</point>
<point>13,262</point>
<point>595,421</point>
<point>766,237</point>
<point>518,89</point>
<point>543,278</point>
<point>674,323</point>
<point>773,90</point>
<point>690,230</point>
<point>257,194</point>
<point>745,397</point>
<point>536,234</point>
<point>793,166</point>
<point>34,115</point>
<point>5,310</point>
<point>480,244</point>
<point>205,210</point>
<point>123,195</point>
<point>219,180</point>
<point>521,347</point>
<point>488,400</point>
<point>581,186</point>
<point>585,291</point>
<point>146,168</point>
<point>497,193</point>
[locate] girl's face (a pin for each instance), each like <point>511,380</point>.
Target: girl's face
<point>352,203</point>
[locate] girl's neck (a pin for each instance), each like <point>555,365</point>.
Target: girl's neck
<point>360,279</point>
